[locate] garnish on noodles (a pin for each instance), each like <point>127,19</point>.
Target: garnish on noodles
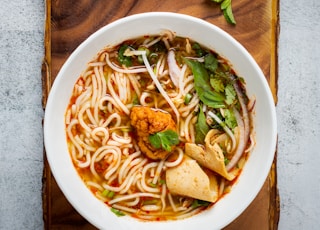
<point>158,127</point>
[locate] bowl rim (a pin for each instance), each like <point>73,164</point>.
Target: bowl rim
<point>48,117</point>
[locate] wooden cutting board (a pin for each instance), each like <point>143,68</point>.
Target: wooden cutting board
<point>69,22</point>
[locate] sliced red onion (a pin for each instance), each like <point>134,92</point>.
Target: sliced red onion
<point>243,124</point>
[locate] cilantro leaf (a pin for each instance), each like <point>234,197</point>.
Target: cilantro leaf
<point>230,119</point>
<point>217,84</point>
<point>210,62</point>
<point>230,94</point>
<point>155,141</point>
<point>164,139</point>
<point>198,49</point>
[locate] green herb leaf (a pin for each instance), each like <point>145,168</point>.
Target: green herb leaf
<point>197,48</point>
<point>202,85</point>
<point>201,127</point>
<point>225,4</point>
<point>210,62</point>
<point>230,94</point>
<point>227,10</point>
<point>228,15</point>
<point>230,119</point>
<point>199,203</point>
<point>155,141</point>
<point>213,100</point>
<point>217,84</point>
<point>164,139</point>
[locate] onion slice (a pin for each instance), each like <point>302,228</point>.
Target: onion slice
<point>244,129</point>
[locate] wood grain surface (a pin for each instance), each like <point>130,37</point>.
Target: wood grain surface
<point>69,22</point>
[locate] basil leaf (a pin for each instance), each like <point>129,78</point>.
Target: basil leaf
<point>228,15</point>
<point>225,6</point>
<point>202,85</point>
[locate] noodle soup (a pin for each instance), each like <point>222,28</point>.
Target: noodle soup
<point>159,127</point>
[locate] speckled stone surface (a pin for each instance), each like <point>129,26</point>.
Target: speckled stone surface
<point>21,139</point>
<point>21,114</point>
<point>298,114</point>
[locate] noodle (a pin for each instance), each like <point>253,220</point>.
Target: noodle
<point>134,110</point>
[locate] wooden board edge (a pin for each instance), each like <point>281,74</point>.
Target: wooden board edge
<point>275,28</point>
<point>274,198</point>
<point>274,207</point>
<point>46,78</point>
<point>46,62</point>
<point>46,191</point>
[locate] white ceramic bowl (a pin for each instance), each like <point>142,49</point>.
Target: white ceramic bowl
<point>256,168</point>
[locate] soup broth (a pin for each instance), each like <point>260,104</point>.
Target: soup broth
<point>158,127</point>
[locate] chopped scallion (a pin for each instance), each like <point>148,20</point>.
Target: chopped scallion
<point>110,194</point>
<point>153,185</point>
<point>105,193</point>
<point>117,212</point>
<point>187,98</point>
<point>142,48</point>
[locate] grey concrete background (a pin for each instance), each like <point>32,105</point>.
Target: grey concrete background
<point>298,111</point>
